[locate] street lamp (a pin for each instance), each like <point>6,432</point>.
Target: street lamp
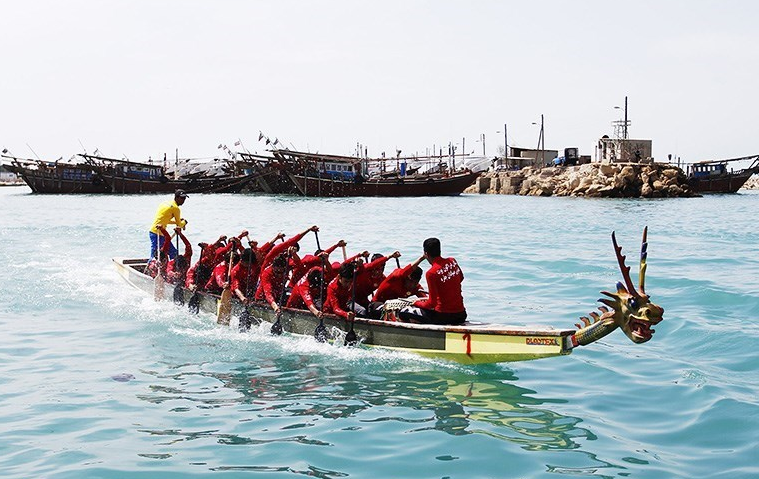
<point>542,141</point>
<point>482,140</point>
<point>505,141</point>
<point>624,123</point>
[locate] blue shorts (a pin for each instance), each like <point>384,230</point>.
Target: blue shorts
<point>156,242</point>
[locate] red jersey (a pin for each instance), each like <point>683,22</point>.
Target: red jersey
<point>338,298</point>
<point>244,278</point>
<point>172,276</point>
<point>369,277</point>
<point>152,268</point>
<point>191,279</point>
<point>219,276</point>
<point>303,294</point>
<point>262,251</point>
<point>444,283</point>
<point>281,248</point>
<point>393,287</point>
<point>300,267</point>
<point>270,286</point>
<point>220,252</point>
<point>208,254</point>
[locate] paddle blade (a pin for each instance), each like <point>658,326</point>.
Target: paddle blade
<point>224,307</point>
<point>159,286</point>
<point>178,295</point>
<point>194,303</point>
<point>276,328</point>
<point>321,334</point>
<point>350,338</point>
<point>246,321</point>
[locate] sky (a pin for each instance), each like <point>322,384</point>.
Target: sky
<point>142,78</point>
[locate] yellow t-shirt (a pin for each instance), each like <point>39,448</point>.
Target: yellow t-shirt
<point>168,214</point>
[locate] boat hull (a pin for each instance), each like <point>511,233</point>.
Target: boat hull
<point>471,343</point>
<point>87,179</point>
<point>408,186</point>
<point>729,183</point>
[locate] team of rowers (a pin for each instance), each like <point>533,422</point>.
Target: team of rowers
<point>275,273</point>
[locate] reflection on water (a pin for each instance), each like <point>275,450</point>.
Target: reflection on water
<point>287,399</point>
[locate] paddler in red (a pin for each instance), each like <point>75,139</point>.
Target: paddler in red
<point>308,292</point>
<point>339,294</point>
<point>369,276</point>
<point>159,264</point>
<point>244,276</point>
<point>273,280</point>
<point>444,305</point>
<point>263,250</point>
<point>198,275</point>
<point>176,269</point>
<point>282,247</point>
<point>332,271</point>
<point>235,241</point>
<point>319,258</point>
<point>401,283</point>
<point>219,278</point>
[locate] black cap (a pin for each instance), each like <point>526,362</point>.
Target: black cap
<point>180,194</point>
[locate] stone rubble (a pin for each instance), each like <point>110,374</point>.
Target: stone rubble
<point>752,183</point>
<point>592,180</point>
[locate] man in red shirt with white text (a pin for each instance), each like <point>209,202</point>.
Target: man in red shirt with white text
<point>444,305</point>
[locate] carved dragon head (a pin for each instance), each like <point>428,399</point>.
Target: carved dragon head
<point>629,309</point>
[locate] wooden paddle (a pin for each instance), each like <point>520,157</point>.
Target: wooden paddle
<point>276,328</point>
<point>159,283</point>
<point>178,291</point>
<point>245,317</point>
<point>397,262</point>
<point>321,331</point>
<point>345,256</point>
<point>350,338</point>
<point>224,306</point>
<point>193,305</point>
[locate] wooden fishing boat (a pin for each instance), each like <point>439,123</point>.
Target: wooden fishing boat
<point>470,343</point>
<point>322,175</point>
<point>99,175</point>
<point>422,185</point>
<point>713,176</point>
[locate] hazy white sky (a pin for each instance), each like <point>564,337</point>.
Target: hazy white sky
<point>145,77</point>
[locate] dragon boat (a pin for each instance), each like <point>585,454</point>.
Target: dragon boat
<point>627,308</point>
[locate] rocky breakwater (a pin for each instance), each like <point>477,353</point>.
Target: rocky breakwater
<point>593,180</point>
<point>752,183</point>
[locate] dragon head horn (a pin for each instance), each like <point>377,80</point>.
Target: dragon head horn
<point>643,256</point>
<point>626,269</point>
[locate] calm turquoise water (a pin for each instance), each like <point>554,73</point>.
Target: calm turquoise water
<point>201,401</point>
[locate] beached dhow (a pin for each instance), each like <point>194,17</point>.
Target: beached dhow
<point>100,175</point>
<point>713,176</point>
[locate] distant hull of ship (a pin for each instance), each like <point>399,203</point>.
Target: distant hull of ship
<point>88,179</point>
<point>714,177</point>
<point>425,185</point>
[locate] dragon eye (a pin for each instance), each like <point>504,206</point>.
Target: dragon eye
<point>633,302</point>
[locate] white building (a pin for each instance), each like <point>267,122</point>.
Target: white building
<point>618,150</point>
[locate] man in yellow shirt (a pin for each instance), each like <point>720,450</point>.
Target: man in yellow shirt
<point>167,214</point>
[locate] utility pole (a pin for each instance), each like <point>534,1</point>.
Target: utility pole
<point>543,138</point>
<point>505,142</point>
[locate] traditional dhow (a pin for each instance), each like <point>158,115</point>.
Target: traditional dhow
<point>99,175</point>
<point>341,176</point>
<point>712,176</point>
<point>628,308</point>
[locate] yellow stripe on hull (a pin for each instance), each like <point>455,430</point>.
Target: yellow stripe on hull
<point>488,348</point>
